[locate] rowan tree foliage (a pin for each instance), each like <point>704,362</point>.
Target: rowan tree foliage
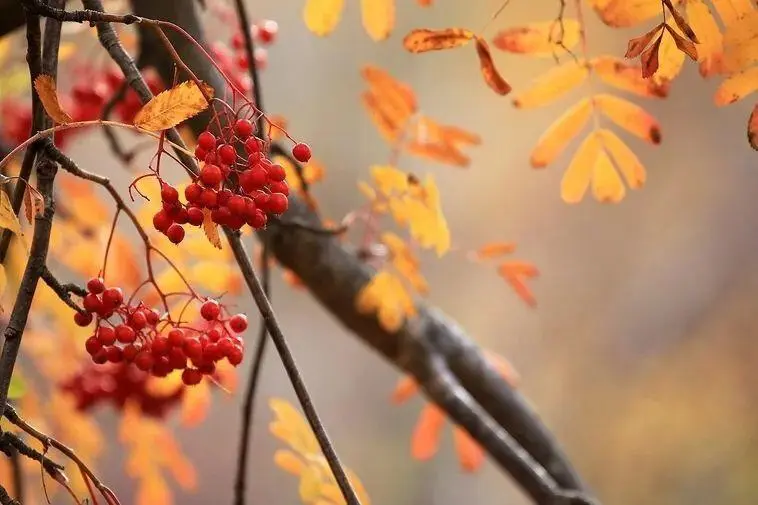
<point>127,297</point>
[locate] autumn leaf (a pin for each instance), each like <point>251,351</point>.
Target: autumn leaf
<point>495,249</point>
<point>736,87</point>
<point>210,229</point>
<point>405,262</point>
<point>491,76</point>
<point>423,40</point>
<point>554,141</point>
<point>630,117</point>
<point>322,16</point>
<point>670,56</point>
<point>576,178</point>
<point>552,85</point>
<point>34,204</point>
<point>48,95</point>
<point>173,106</point>
<point>626,13</point>
<point>710,50</point>
<point>627,77</point>
<point>607,186</point>
<point>539,39</point>
<point>684,45</point>
<point>752,128</point>
<point>623,158</point>
<point>741,43</point>
<point>290,427</point>
<point>516,273</point>
<point>681,23</point>
<point>8,219</point>
<point>731,11</point>
<point>385,296</point>
<point>636,46</point>
<point>378,18</point>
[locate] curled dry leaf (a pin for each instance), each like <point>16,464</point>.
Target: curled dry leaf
<point>422,40</point>
<point>210,229</point>
<point>491,76</point>
<point>681,22</point>
<point>46,90</point>
<point>34,205</point>
<point>684,45</point>
<point>173,106</point>
<point>637,45</point>
<point>626,13</point>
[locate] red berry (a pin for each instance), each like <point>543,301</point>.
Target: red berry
<point>82,318</point>
<point>253,145</point>
<point>138,320</point>
<point>258,220</point>
<point>181,216</point>
<point>221,216</point>
<point>234,356</point>
<point>193,348</point>
<point>227,154</point>
<point>192,192</point>
<point>261,57</point>
<point>191,376</point>
<point>207,140</point>
<point>209,199</point>
<point>169,193</point>
<point>238,323</point>
<point>195,216</point>
<point>95,285</point>
<point>176,337</point>
<point>161,220</point>
<point>161,367</point>
<point>211,158</point>
<point>267,31</point>
<point>106,335</point>
<point>301,152</point>
<point>256,179</point>
<point>214,335</point>
<point>130,352</point>
<point>212,352</point>
<point>242,61</point>
<point>277,203</point>
<point>125,334</point>
<point>223,197</point>
<point>113,297</point>
<point>100,357</point>
<point>210,175</point>
<point>279,187</point>
<point>92,345</point>
<point>236,205</point>
<point>144,361</point>
<point>160,346</point>
<point>114,354</point>
<point>91,303</point>
<point>176,358</point>
<point>207,368</point>
<point>243,128</point>
<point>210,310</point>
<point>261,199</point>
<point>200,153</point>
<point>175,233</point>
<point>238,41</point>
<point>152,316</point>
<point>276,173</point>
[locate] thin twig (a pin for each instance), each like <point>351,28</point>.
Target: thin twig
<point>63,290</point>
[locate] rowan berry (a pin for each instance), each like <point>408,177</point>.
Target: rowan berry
<point>234,356</point>
<point>169,193</point>
<point>238,41</point>
<point>106,335</point>
<point>276,173</point>
<point>208,199</point>
<point>277,203</point>
<point>301,152</point>
<point>223,197</point>
<point>152,316</point>
<point>176,358</point>
<point>114,354</point>
<point>220,215</point>
<point>254,145</point>
<point>100,357</point>
<point>125,334</point>
<point>210,175</point>
<point>175,233</point>
<point>243,128</point>
<point>210,310</point>
<point>194,216</point>
<point>130,352</point>
<point>160,346</point>
<point>91,302</point>
<point>258,220</point>
<point>267,31</point>
<point>214,335</point>
<point>191,376</point>
<point>92,345</point>
<point>200,153</point>
<point>238,323</point>
<point>113,297</point>
<point>95,285</point>
<point>138,320</point>
<point>176,337</point>
<point>192,192</point>
<point>207,141</point>
<point>144,360</point>
<point>236,205</point>
<point>279,187</point>
<point>227,154</point>
<point>82,318</point>
<point>161,221</point>
<point>181,216</point>
<point>192,348</point>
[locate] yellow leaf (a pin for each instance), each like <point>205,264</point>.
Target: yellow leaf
<point>707,29</point>
<point>422,40</point>
<point>153,490</point>
<point>553,84</point>
<point>552,143</point>
<point>627,77</point>
<point>389,179</point>
<point>216,277</point>
<point>576,178</point>
<point>731,11</point>
<point>405,261</point>
<point>322,16</point>
<point>606,183</point>
<point>624,158</point>
<point>629,116</point>
<point>626,13</point>
<point>741,43</point>
<point>386,297</point>
<point>173,106</point>
<point>210,229</point>
<point>752,128</point>
<point>48,95</point>
<point>310,484</point>
<point>289,462</point>
<point>290,427</point>
<point>8,218</point>
<point>736,87</point>
<point>490,73</point>
<point>539,39</point>
<point>670,59</point>
<point>378,17</point>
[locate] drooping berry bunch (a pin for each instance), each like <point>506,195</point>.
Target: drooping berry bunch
<point>118,383</point>
<point>233,190</point>
<point>133,333</point>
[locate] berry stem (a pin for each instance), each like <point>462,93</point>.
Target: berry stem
<point>244,22</point>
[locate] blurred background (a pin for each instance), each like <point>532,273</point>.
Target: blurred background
<point>640,355</point>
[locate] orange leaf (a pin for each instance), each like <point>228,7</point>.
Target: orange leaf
<point>289,462</point>
<point>627,77</point>
<point>195,404</point>
<point>515,273</point>
<point>495,249</point>
<point>405,388</point>
<point>752,128</point>
<point>491,76</point>
<point>741,42</point>
<point>422,40</point>
<point>322,16</point>
<point>626,13</point>
<point>649,58</point>
<point>629,116</point>
<point>606,182</point>
<point>681,22</point>
<point>576,179</point>
<point>731,11</point>
<point>439,152</point>
<point>426,435</point>
<point>378,17</point>
<point>737,86</point>
<point>210,229</point>
<point>624,158</point>
<point>539,39</point>
<point>386,296</point>
<point>173,106</point>
<point>553,84</point>
<point>670,56</point>
<point>710,49</point>
<point>637,45</point>
<point>470,453</point>
<point>684,45</point>
<point>552,143</point>
<point>48,95</point>
<point>34,205</point>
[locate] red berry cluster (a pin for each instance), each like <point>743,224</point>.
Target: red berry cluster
<point>84,102</point>
<point>235,191</point>
<point>118,383</point>
<point>137,334</point>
